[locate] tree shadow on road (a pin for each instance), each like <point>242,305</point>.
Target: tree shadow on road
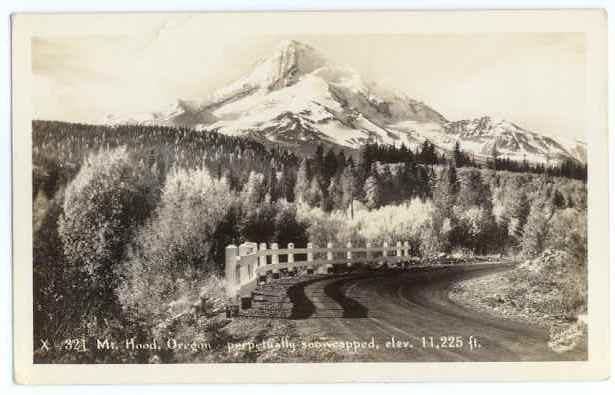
<point>352,308</point>
<point>304,308</point>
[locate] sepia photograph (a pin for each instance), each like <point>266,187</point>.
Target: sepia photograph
<point>202,194</point>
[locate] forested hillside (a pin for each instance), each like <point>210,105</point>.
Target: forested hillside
<point>131,222</point>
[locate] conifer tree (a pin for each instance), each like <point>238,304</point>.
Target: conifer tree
<point>373,191</point>
<point>273,188</point>
<point>494,157</point>
<point>286,184</point>
<point>404,181</point>
<point>330,165</point>
<point>254,190</point>
<point>517,211</point>
<point>313,195</point>
<point>428,153</point>
<point>473,191</point>
<point>445,190</point>
<point>341,161</point>
<point>319,161</point>
<point>458,155</point>
<point>389,192</point>
<point>366,157</point>
<point>335,193</point>
<point>348,185</point>
<point>303,181</point>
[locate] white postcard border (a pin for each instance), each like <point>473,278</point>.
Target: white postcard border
<point>590,22</point>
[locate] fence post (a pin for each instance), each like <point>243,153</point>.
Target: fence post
<point>230,265</point>
<point>244,270</point>
<point>246,262</point>
<point>349,254</point>
<point>407,253</point>
<point>329,257</point>
<point>322,268</point>
<point>385,253</point>
<point>310,258</point>
<point>275,259</point>
<point>398,254</point>
<point>368,254</point>
<point>291,257</point>
<point>262,260</point>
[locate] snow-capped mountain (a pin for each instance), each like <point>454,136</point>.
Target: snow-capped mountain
<point>297,98</point>
<point>482,135</point>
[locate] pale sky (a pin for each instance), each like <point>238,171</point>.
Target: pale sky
<point>533,79</point>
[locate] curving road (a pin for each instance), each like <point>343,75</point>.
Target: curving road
<point>413,307</point>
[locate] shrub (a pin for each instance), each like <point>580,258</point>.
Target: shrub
<point>227,232</point>
<point>567,231</point>
<point>264,223</point>
<point>412,222</point>
<point>258,222</point>
<point>322,227</point>
<point>436,235</point>
<point>173,250</point>
<point>475,229</point>
<point>536,228</point>
<point>434,240</point>
<point>404,222</point>
<point>288,228</point>
<point>554,283</point>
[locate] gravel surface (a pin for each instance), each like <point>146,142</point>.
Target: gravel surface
<point>411,307</point>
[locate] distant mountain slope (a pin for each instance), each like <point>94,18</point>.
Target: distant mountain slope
<point>297,98</point>
<point>482,136</point>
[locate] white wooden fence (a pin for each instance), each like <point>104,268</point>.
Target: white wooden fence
<point>246,263</point>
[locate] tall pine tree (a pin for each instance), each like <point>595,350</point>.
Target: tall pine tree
<point>314,195</point>
<point>335,194</point>
<point>517,210</point>
<point>348,183</point>
<point>303,181</point>
<point>445,190</point>
<point>458,155</point>
<point>373,191</point>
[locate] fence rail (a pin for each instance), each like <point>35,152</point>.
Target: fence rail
<point>246,263</point>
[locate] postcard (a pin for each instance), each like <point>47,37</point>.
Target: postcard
<point>310,196</point>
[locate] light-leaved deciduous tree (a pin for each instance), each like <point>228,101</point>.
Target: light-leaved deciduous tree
<point>173,250</point>
<point>110,196</point>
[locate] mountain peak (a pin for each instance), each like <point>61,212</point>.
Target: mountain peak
<point>293,44</point>
<point>289,61</point>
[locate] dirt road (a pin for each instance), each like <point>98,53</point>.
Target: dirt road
<point>411,318</point>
